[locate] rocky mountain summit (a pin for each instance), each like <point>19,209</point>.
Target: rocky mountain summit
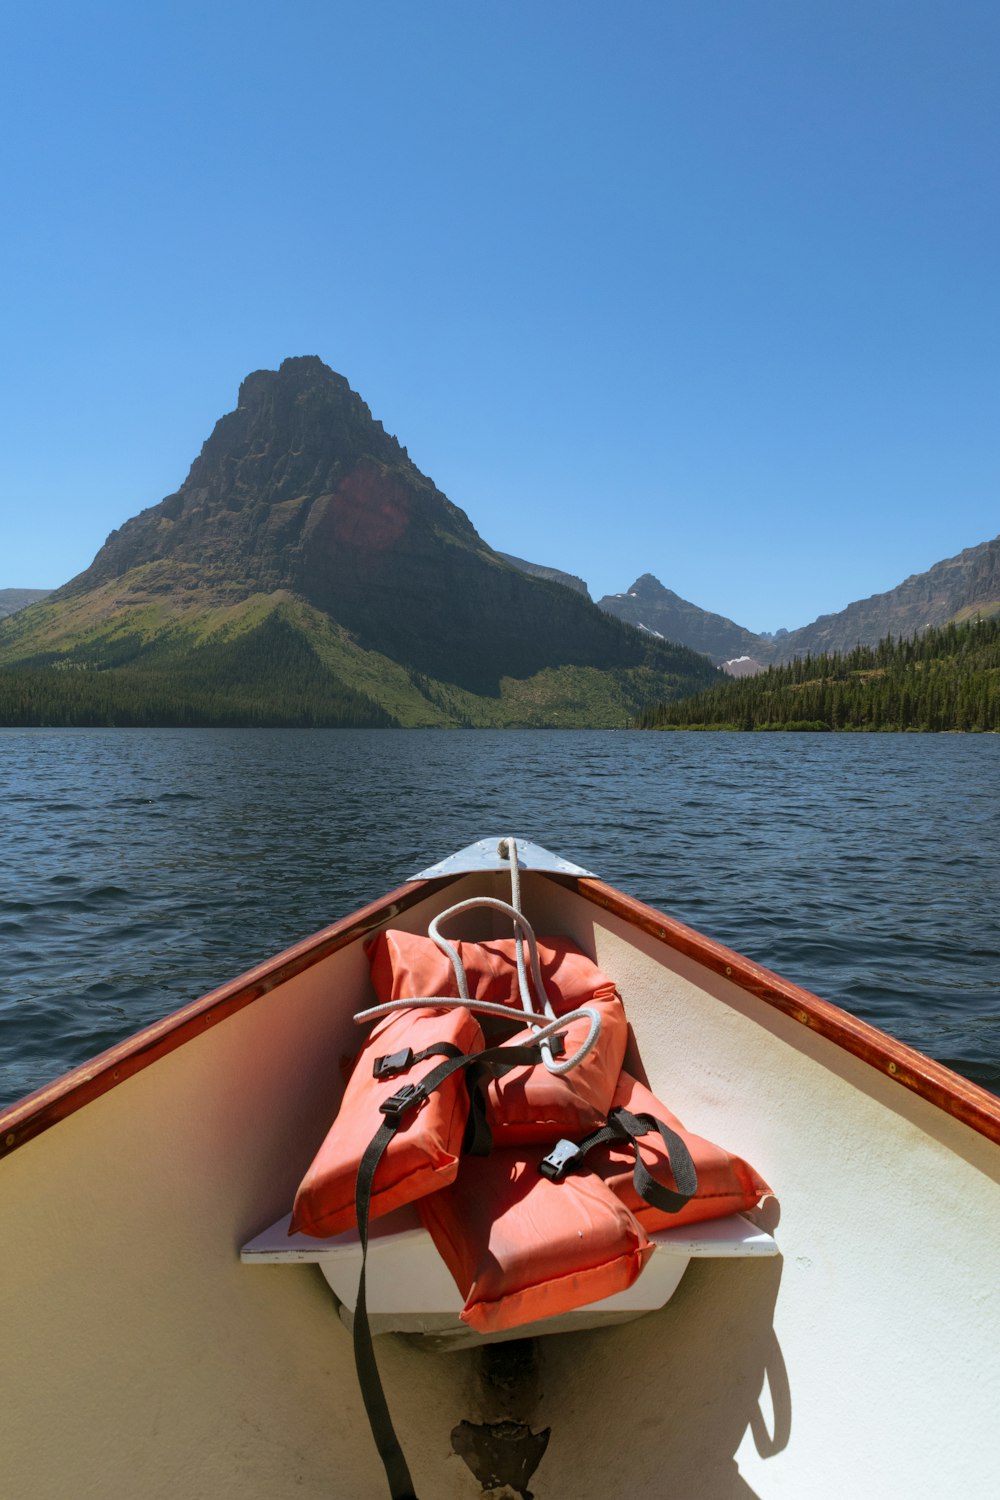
<point>300,461</point>
<point>305,527</point>
<point>658,610</point>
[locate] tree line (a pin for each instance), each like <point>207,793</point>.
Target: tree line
<point>268,678</point>
<point>947,678</point>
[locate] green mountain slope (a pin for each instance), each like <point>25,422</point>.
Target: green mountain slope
<point>273,659</point>
<point>945,679</point>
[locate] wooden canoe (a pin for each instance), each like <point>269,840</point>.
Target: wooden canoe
<point>146,1359</point>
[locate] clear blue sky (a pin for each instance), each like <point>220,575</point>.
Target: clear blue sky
<point>702,288</point>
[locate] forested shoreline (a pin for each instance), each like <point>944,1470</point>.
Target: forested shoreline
<point>47,700</point>
<point>946,679</point>
<point>267,678</point>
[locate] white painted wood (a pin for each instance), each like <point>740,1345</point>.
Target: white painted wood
<point>730,1238</point>
<point>734,1235</point>
<point>409,1288</point>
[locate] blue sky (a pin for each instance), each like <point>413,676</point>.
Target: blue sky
<point>703,289</point>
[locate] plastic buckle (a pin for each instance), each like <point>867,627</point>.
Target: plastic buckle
<point>559,1160</point>
<point>403,1099</point>
<point>557,1044</point>
<point>392,1063</point>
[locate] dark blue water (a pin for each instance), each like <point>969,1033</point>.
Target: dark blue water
<point>140,868</point>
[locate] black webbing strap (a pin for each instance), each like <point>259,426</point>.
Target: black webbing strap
<point>478,1136</point>
<point>393,1063</point>
<point>391,1454</point>
<point>494,1059</point>
<point>478,1140</point>
<point>622,1125</point>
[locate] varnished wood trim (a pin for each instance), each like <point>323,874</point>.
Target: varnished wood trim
<point>957,1096</point>
<point>36,1112</point>
<point>966,1101</point>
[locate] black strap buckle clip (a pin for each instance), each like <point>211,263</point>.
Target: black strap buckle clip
<point>559,1160</point>
<point>403,1099</point>
<point>557,1044</point>
<point>392,1063</point>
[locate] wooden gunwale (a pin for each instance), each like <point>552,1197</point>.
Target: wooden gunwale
<point>38,1111</point>
<point>957,1096</point>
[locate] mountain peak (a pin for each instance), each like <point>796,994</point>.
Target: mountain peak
<point>292,406</point>
<point>648,585</point>
<point>298,373</point>
<point>299,442</point>
<point>303,515</point>
<point>307,362</point>
<point>651,606</point>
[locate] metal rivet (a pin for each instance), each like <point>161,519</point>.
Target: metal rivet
<point>11,1139</point>
<point>116,1074</point>
<point>728,969</point>
<point>892,1067</point>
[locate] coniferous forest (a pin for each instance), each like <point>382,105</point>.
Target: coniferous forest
<point>268,678</point>
<point>946,679</point>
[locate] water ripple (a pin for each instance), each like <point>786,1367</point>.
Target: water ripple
<point>142,868</point>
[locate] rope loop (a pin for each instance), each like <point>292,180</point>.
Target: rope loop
<point>536,1011</point>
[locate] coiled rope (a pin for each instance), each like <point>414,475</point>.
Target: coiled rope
<point>544,1022</point>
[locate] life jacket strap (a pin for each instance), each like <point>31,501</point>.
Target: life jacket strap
<point>494,1060</point>
<point>568,1156</point>
<point>393,1063</point>
<point>396,1471</point>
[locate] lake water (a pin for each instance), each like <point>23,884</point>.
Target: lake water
<point>140,868</point>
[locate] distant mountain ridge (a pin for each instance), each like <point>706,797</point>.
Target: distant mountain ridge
<point>553,575</point>
<point>957,589</point>
<point>307,560</point>
<point>650,606</point>
<point>11,600</point>
<point>945,679</point>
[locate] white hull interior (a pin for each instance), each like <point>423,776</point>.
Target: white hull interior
<point>146,1360</point>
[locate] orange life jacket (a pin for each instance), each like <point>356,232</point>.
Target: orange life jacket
<point>522,1248</point>
<point>405,966</point>
<point>530,1103</point>
<point>423,1154</point>
<point>726,1183</point>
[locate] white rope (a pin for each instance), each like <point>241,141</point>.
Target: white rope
<point>545,1026</point>
<point>449,1002</point>
<point>508,847</point>
<point>521,925</point>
